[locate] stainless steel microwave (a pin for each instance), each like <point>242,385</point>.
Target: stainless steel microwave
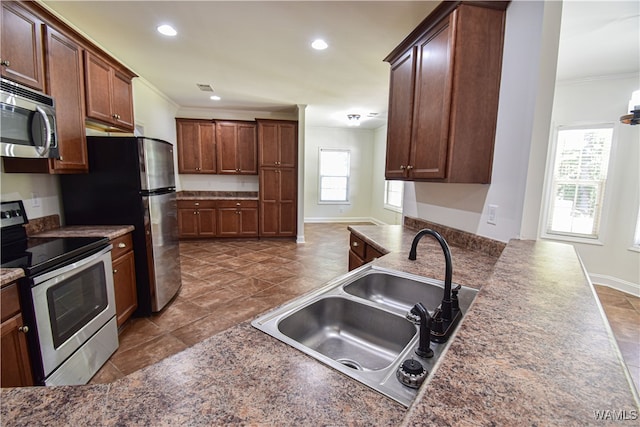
<point>27,122</point>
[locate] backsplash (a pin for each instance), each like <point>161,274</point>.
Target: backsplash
<point>45,223</point>
<point>458,237</point>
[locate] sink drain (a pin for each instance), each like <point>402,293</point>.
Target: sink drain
<point>350,364</point>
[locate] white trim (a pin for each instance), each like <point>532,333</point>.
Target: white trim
<point>634,248</point>
<point>615,283</point>
<point>351,219</point>
<point>572,238</point>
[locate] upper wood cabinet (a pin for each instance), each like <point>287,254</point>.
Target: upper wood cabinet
<point>108,93</point>
<point>64,78</point>
<point>196,146</point>
<point>236,147</point>
<point>278,143</point>
<point>443,100</point>
<point>21,58</point>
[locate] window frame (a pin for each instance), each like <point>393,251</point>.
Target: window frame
<point>548,187</point>
<point>347,201</point>
<point>386,196</point>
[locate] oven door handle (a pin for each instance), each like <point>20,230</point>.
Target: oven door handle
<point>84,262</point>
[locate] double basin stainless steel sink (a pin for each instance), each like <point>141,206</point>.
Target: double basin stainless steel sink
<point>356,324</point>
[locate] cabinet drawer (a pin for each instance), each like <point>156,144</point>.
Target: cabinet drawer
<point>195,204</point>
<point>10,301</point>
<point>237,204</point>
<point>357,245</point>
<point>121,245</point>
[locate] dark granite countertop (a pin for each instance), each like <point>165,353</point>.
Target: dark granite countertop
<point>8,275</point>
<point>534,348</point>
<point>217,195</point>
<point>110,231</point>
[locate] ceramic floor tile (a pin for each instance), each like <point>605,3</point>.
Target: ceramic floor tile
<point>147,353</point>
<point>181,313</point>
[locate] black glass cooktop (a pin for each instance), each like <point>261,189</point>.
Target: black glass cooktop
<point>39,255</point>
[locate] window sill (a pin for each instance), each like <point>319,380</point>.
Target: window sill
<point>635,248</point>
<point>393,208</point>
<point>572,239</point>
<point>321,202</point>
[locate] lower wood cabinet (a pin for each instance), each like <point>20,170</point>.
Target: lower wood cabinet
<point>124,278</point>
<point>14,356</point>
<point>237,218</point>
<point>217,218</point>
<point>360,252</point>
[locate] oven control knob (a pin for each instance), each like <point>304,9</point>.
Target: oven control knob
<point>24,329</point>
<point>4,214</point>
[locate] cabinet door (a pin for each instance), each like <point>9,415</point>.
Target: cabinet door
<point>206,222</point>
<point>287,204</point>
<point>228,222</point>
<point>124,283</point>
<point>65,82</point>
<point>98,88</point>
<point>247,149</point>
<point>269,202</point>
<point>196,146</point>
<point>249,221</point>
<point>122,102</point>
<point>21,44</point>
<point>227,147</point>
<point>14,356</point>
<point>187,223</point>
<point>268,144</point>
<point>432,104</point>
<point>287,144</point>
<point>401,92</point>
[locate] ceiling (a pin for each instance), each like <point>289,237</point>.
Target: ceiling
<point>257,55</point>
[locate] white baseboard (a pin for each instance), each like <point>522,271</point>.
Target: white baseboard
<point>344,219</point>
<point>615,283</point>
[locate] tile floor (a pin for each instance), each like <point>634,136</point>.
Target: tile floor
<point>623,313</point>
<point>225,282</point>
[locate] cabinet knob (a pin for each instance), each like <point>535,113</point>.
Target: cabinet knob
<point>115,271</point>
<point>409,167</point>
<point>237,204</point>
<point>355,244</point>
<point>61,159</point>
<point>196,204</point>
<point>6,63</point>
<point>24,329</point>
<point>402,167</point>
<point>122,245</point>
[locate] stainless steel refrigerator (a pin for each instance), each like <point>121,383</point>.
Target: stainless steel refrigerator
<point>131,181</point>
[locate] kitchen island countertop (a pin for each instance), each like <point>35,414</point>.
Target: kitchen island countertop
<point>534,348</point>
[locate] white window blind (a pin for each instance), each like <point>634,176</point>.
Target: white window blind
<point>579,180</point>
<point>334,175</point>
<point>393,191</point>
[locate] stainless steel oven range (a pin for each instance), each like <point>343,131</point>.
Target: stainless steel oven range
<point>67,299</point>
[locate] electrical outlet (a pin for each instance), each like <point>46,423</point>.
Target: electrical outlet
<point>35,200</point>
<point>493,214</point>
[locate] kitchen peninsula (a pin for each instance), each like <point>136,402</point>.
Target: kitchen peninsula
<point>534,348</point>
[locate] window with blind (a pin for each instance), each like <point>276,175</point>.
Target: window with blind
<point>578,181</point>
<point>334,175</point>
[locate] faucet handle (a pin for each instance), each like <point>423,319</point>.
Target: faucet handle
<point>454,297</point>
<point>412,317</point>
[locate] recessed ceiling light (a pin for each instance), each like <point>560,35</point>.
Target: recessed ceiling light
<point>319,44</point>
<point>215,97</point>
<point>167,30</point>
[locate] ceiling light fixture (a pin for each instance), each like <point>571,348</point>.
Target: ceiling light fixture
<point>354,119</point>
<point>634,109</point>
<point>215,97</point>
<point>319,44</point>
<point>167,30</point>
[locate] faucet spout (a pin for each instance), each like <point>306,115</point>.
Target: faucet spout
<point>446,306</point>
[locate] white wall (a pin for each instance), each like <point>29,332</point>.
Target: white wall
<point>22,186</point>
<point>360,143</point>
<point>378,211</point>
<point>604,100</point>
<point>526,93</point>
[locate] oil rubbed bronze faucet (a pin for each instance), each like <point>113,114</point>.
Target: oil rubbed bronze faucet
<point>448,315</point>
